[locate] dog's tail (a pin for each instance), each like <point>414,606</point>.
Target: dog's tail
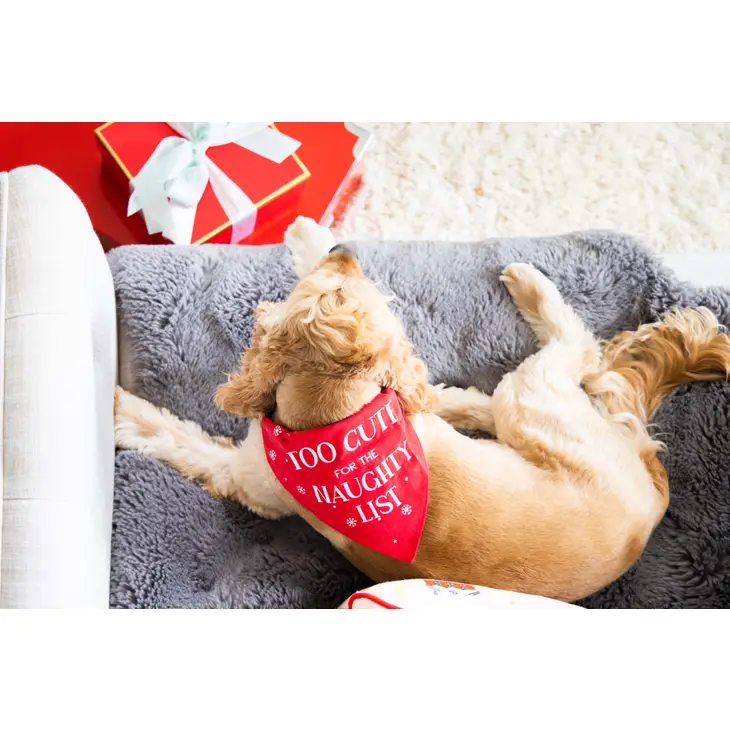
<point>685,346</point>
<point>641,368</point>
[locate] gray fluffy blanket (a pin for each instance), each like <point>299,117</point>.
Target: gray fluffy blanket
<point>186,313</point>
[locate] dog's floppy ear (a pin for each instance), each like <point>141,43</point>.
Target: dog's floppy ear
<point>407,375</point>
<point>251,392</point>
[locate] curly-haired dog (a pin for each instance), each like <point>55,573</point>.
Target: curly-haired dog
<point>561,503</point>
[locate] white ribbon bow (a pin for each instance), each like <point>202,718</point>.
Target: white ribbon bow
<point>168,188</point>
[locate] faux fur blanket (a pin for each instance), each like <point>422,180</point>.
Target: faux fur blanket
<point>185,315</point>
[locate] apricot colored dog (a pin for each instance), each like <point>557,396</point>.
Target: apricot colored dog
<point>559,504</point>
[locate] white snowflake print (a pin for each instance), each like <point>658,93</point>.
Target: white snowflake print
<point>406,509</point>
<point>351,522</point>
<point>277,430</point>
<point>301,490</point>
<point>272,455</point>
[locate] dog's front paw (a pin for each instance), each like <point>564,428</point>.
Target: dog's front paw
<point>308,243</point>
<point>452,396</point>
<point>133,421</point>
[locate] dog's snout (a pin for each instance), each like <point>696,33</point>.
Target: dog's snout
<point>342,258</point>
<point>341,248</point>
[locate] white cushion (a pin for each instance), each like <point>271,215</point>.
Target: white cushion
<point>59,367</point>
<point>701,269</point>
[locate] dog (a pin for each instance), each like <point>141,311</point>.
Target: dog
<point>560,503</point>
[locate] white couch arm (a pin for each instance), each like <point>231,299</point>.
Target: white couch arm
<point>57,377</point>
<point>701,269</point>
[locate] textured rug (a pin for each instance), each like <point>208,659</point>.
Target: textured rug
<point>667,183</point>
<point>185,315</point>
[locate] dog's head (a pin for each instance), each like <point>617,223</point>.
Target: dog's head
<point>335,323</point>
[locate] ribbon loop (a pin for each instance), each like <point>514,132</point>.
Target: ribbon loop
<point>171,183</point>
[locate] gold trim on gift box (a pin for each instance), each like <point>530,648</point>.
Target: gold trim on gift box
<point>260,204</point>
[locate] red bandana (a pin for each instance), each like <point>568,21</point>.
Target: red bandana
<point>365,477</point>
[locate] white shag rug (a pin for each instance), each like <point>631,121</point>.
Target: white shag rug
<point>667,183</point>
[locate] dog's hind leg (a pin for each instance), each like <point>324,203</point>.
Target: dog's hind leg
<point>552,319</point>
<point>567,345</point>
<point>540,407</point>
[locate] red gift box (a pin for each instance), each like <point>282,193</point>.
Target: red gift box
<point>273,187</point>
<point>331,151</point>
<point>334,153</point>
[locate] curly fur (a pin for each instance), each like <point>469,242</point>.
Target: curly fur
<point>335,324</point>
<point>560,504</point>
